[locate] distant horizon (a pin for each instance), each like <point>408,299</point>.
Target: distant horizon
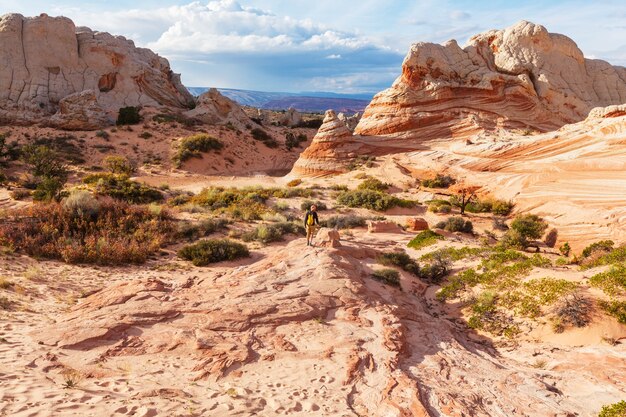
<point>299,46</point>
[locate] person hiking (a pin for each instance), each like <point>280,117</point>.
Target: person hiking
<point>310,222</point>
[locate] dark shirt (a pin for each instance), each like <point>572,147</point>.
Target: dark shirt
<point>306,218</point>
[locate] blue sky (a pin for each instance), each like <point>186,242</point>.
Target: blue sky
<point>349,46</point>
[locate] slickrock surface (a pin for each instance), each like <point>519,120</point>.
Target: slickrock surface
<point>520,77</point>
<point>299,331</point>
<point>46,59</point>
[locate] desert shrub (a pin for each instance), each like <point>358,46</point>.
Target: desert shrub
<point>311,123</point>
<point>437,269</point>
<point>20,194</point>
<point>120,233</point>
<point>347,221</point>
<point>616,309</point>
<point>179,200</point>
<point>122,188</point>
<point>81,203</point>
<point>439,206</point>
<point>44,162</point>
<point>102,134</point>
<point>119,165</point>
<point>457,254</point>
<point>523,228</point>
<point>387,276</point>
<point>306,204</point>
<point>488,205</point>
<point>267,233</point>
<point>194,230</point>
<point>128,116</point>
<point>574,310</point>
<point>373,184</point>
<point>294,141</point>
<point>456,224</point>
<point>373,200</point>
<point>400,259</point>
<point>49,189</point>
<point>612,282</point>
<point>499,223</point>
<point>423,239</point>
<point>294,182</point>
<point>193,146</point>
<point>339,187</point>
<point>145,135</point>
<point>262,136</point>
<point>565,249</point>
<point>613,410</point>
<point>601,246</point>
<point>9,151</point>
<point>213,250</point>
<point>440,181</point>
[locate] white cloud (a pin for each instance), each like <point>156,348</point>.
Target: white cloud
<point>333,56</point>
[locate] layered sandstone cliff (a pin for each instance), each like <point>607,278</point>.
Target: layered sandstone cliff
<point>520,77</point>
<point>46,59</point>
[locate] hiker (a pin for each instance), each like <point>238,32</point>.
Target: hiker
<point>310,222</point>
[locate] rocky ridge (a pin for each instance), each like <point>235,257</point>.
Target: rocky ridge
<point>49,65</point>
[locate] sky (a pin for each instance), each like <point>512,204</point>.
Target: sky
<point>342,46</point>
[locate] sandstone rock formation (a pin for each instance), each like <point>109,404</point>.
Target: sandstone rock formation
<point>350,121</point>
<point>290,118</point>
<point>214,108</point>
<point>417,224</point>
<point>520,77</point>
<point>45,59</point>
<point>80,111</point>
<point>327,238</point>
<point>382,226</point>
<point>331,147</point>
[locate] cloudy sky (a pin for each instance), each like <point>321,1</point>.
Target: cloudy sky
<point>346,46</point>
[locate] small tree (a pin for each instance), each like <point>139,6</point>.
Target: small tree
<point>119,165</point>
<point>523,228</point>
<point>466,194</point>
<point>50,171</point>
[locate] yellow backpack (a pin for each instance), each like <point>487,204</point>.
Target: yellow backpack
<point>310,220</point>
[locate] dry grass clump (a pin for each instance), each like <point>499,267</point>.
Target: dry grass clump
<point>111,233</point>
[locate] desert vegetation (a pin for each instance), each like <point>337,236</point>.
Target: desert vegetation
<point>193,147</point>
<point>209,251</point>
<point>373,200</point>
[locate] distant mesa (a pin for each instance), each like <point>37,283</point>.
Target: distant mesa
<point>50,65</point>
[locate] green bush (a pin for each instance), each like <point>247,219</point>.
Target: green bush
<point>488,205</point>
<point>267,233</point>
<point>262,136</point>
<point>122,188</point>
<point>399,259</point>
<point>456,224</point>
<point>437,269</point>
<point>373,184</point>
<point>102,134</point>
<point>81,203</point>
<point>614,410</point>
<point>523,228</point>
<point>294,141</point>
<point>306,204</point>
<point>603,245</point>
<point>387,276</point>
<point>9,151</point>
<point>573,310</point>
<point>44,162</point>
<point>193,146</point>
<point>612,282</point>
<point>440,181</point>
<point>49,189</point>
<point>128,116</point>
<point>213,250</point>
<point>616,309</point>
<point>373,200</point>
<point>119,165</point>
<point>194,230</point>
<point>565,249</point>
<point>423,239</point>
<point>348,221</point>
<point>439,206</point>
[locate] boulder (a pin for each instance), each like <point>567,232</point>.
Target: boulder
<point>46,59</point>
<point>81,111</point>
<point>384,226</point>
<point>290,118</point>
<point>416,224</point>
<point>327,237</point>
<point>212,107</point>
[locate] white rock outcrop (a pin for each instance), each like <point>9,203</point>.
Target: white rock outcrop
<point>46,59</point>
